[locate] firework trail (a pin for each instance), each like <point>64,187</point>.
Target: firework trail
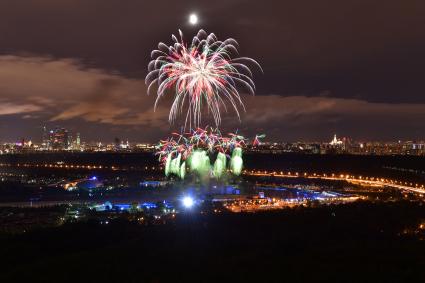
<point>208,139</point>
<point>194,149</point>
<point>207,71</point>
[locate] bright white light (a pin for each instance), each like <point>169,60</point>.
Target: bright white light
<point>188,202</point>
<point>193,19</point>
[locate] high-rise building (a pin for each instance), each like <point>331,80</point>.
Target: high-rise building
<point>76,144</point>
<point>59,139</point>
<point>117,143</point>
<point>45,141</point>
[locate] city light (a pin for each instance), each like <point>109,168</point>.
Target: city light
<point>363,181</point>
<point>188,201</point>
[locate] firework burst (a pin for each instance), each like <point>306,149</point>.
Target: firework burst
<point>208,139</point>
<point>207,71</point>
<point>194,149</point>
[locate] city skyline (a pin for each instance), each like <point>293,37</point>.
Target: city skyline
<point>60,139</point>
<point>39,138</point>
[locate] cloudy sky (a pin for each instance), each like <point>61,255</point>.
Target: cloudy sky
<point>354,67</point>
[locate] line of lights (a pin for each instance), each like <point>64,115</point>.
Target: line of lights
<point>371,181</point>
<point>72,166</point>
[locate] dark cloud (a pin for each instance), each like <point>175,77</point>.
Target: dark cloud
<point>324,61</point>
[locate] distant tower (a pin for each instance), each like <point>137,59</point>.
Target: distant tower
<point>51,139</point>
<point>45,139</point>
<point>68,143</point>
<point>335,141</point>
<point>117,143</point>
<point>78,141</point>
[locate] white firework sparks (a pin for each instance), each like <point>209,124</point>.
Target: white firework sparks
<point>206,71</point>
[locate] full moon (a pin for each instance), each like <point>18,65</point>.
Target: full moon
<point>193,19</point>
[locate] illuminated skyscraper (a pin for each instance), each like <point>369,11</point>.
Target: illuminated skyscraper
<point>59,139</point>
<point>78,140</point>
<point>45,141</point>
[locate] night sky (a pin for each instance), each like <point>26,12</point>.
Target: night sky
<point>355,68</point>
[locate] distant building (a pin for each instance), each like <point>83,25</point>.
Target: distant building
<point>78,141</point>
<point>336,142</point>
<point>89,184</point>
<point>59,139</point>
<point>153,184</point>
<point>45,141</point>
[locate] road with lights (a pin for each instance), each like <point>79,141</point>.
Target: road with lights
<point>359,180</point>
